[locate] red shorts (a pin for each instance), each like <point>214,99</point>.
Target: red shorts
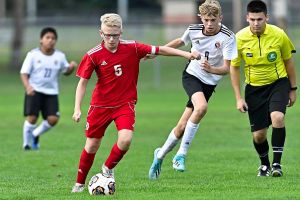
<point>99,118</point>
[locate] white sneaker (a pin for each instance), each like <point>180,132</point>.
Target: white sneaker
<point>108,172</point>
<point>77,188</point>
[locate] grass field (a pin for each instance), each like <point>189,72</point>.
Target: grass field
<point>221,163</point>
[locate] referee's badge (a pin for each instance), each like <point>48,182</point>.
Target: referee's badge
<point>272,56</point>
<point>249,55</point>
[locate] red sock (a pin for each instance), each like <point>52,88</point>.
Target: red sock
<point>85,164</point>
<point>114,157</point>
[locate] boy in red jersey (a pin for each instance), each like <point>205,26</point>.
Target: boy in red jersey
<point>116,63</point>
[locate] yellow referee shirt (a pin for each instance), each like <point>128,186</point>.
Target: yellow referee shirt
<point>263,55</point>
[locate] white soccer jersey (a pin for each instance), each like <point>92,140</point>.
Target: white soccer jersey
<point>216,48</point>
<point>44,70</point>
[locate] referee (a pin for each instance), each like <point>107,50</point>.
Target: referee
<point>270,83</point>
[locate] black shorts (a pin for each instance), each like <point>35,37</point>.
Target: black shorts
<point>192,84</point>
<point>262,100</point>
<point>47,104</point>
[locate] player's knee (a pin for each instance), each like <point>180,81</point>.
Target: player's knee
<point>200,110</point>
<point>124,143</point>
<point>259,137</point>
<point>92,145</point>
<point>277,119</point>
<point>31,119</point>
<point>52,120</point>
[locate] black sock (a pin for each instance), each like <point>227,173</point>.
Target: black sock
<point>263,152</point>
<point>278,139</point>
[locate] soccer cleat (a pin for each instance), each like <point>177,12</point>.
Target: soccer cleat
<point>108,172</point>
<point>27,147</point>
<point>264,170</point>
<point>77,188</point>
<point>178,162</point>
<point>276,170</point>
<point>35,143</point>
<point>155,168</point>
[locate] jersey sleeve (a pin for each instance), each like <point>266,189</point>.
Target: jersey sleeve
<point>86,67</point>
<point>64,63</point>
<point>27,64</point>
<point>186,37</point>
<point>144,49</point>
<point>287,47</point>
<point>230,48</point>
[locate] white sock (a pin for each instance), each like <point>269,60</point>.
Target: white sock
<point>27,132</point>
<point>169,144</point>
<point>42,128</point>
<point>188,136</point>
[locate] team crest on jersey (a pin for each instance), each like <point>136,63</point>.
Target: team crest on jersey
<point>55,62</point>
<point>103,63</point>
<point>272,56</point>
<point>217,45</point>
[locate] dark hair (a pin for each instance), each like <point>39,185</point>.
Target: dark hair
<point>47,30</point>
<point>257,6</point>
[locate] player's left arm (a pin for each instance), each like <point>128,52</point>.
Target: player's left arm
<point>291,72</point>
<point>287,49</point>
<point>222,70</point>
<point>71,68</point>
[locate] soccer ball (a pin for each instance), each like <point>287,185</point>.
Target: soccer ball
<point>101,185</point>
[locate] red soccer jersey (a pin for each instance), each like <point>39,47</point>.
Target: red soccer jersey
<point>117,72</point>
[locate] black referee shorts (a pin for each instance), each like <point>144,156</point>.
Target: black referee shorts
<point>47,104</point>
<point>192,84</point>
<point>262,100</point>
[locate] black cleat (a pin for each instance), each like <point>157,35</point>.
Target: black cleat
<point>26,148</point>
<point>264,170</point>
<point>276,170</point>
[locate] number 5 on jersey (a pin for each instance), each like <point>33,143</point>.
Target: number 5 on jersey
<point>118,70</point>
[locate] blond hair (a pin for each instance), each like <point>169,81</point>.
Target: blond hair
<point>210,7</point>
<point>111,20</point>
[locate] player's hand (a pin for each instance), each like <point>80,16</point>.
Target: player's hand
<point>73,64</point>
<point>242,106</point>
<point>292,98</point>
<point>206,66</point>
<point>149,56</point>
<point>30,90</point>
<point>195,55</point>
<point>76,116</point>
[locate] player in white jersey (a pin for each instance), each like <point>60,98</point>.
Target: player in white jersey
<point>217,46</point>
<point>39,74</point>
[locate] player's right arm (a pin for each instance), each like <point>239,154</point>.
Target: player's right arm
<point>80,92</point>
<point>25,72</point>
<point>241,105</point>
<point>28,88</point>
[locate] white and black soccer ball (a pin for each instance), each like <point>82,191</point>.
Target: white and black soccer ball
<point>102,185</point>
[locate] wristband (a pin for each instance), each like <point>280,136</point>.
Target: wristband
<point>293,88</point>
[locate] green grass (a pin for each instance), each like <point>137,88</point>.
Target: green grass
<point>221,163</point>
